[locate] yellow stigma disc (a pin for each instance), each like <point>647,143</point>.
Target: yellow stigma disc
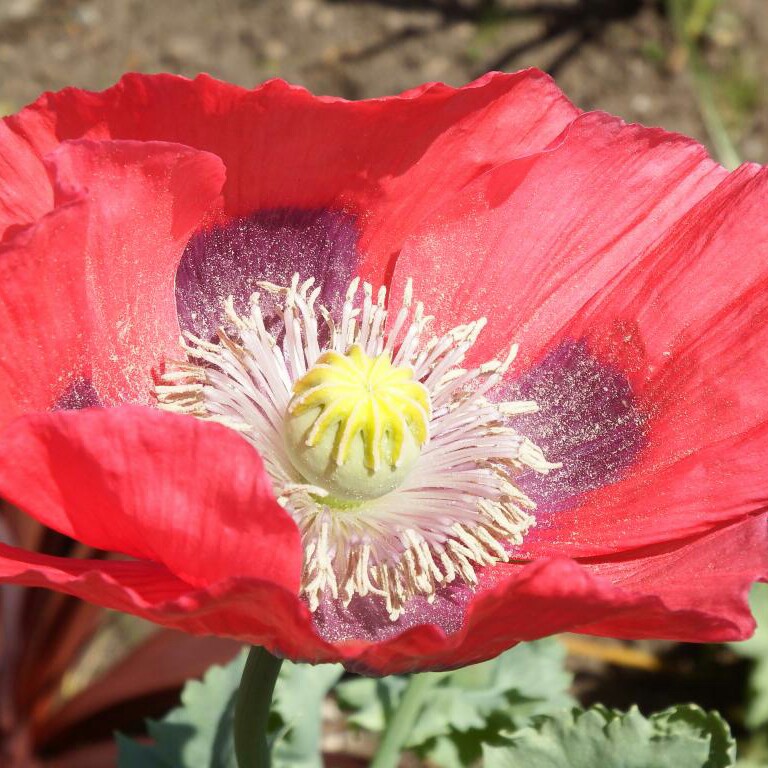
<point>356,424</point>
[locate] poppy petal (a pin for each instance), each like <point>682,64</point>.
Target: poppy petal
<point>529,243</point>
<point>25,191</point>
<point>513,604</point>
<point>145,199</point>
<point>388,160</point>
<point>702,586</point>
<point>231,258</point>
<point>687,327</point>
<point>233,608</point>
<point>42,345</point>
<point>156,486</point>
<point>521,603</point>
<point>87,291</point>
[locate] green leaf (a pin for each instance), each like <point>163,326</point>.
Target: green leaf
<point>680,737</point>
<point>198,734</point>
<point>371,701</point>
<point>298,700</point>
<point>756,648</point>
<point>471,705</point>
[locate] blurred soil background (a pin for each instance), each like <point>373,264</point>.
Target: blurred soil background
<point>694,66</point>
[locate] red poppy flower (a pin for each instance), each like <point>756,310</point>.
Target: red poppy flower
<point>339,472</point>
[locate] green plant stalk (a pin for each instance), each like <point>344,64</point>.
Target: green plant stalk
<point>399,727</point>
<point>725,151</point>
<point>254,698</point>
<point>688,23</point>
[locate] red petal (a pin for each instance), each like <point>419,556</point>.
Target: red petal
<point>391,160</point>
<point>702,586</point>
<point>25,192</point>
<point>712,256</point>
<point>125,586</point>
<point>164,488</point>
<point>42,343</point>
<point>252,611</point>
<point>529,243</point>
<point>694,592</point>
<point>88,290</point>
<point>695,346</point>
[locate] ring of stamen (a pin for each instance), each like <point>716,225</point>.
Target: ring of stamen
<point>454,511</point>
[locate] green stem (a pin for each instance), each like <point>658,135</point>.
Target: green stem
<point>400,726</point>
<point>254,698</point>
<point>725,151</point>
<point>689,20</point>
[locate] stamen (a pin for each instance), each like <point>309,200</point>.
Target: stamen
<point>372,390</point>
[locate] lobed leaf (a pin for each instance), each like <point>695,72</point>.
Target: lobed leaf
<point>470,706</point>
<point>198,734</point>
<point>684,736</point>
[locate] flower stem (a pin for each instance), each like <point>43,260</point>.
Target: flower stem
<point>400,726</point>
<point>254,698</point>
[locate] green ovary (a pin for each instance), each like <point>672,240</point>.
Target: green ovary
<point>356,424</point>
